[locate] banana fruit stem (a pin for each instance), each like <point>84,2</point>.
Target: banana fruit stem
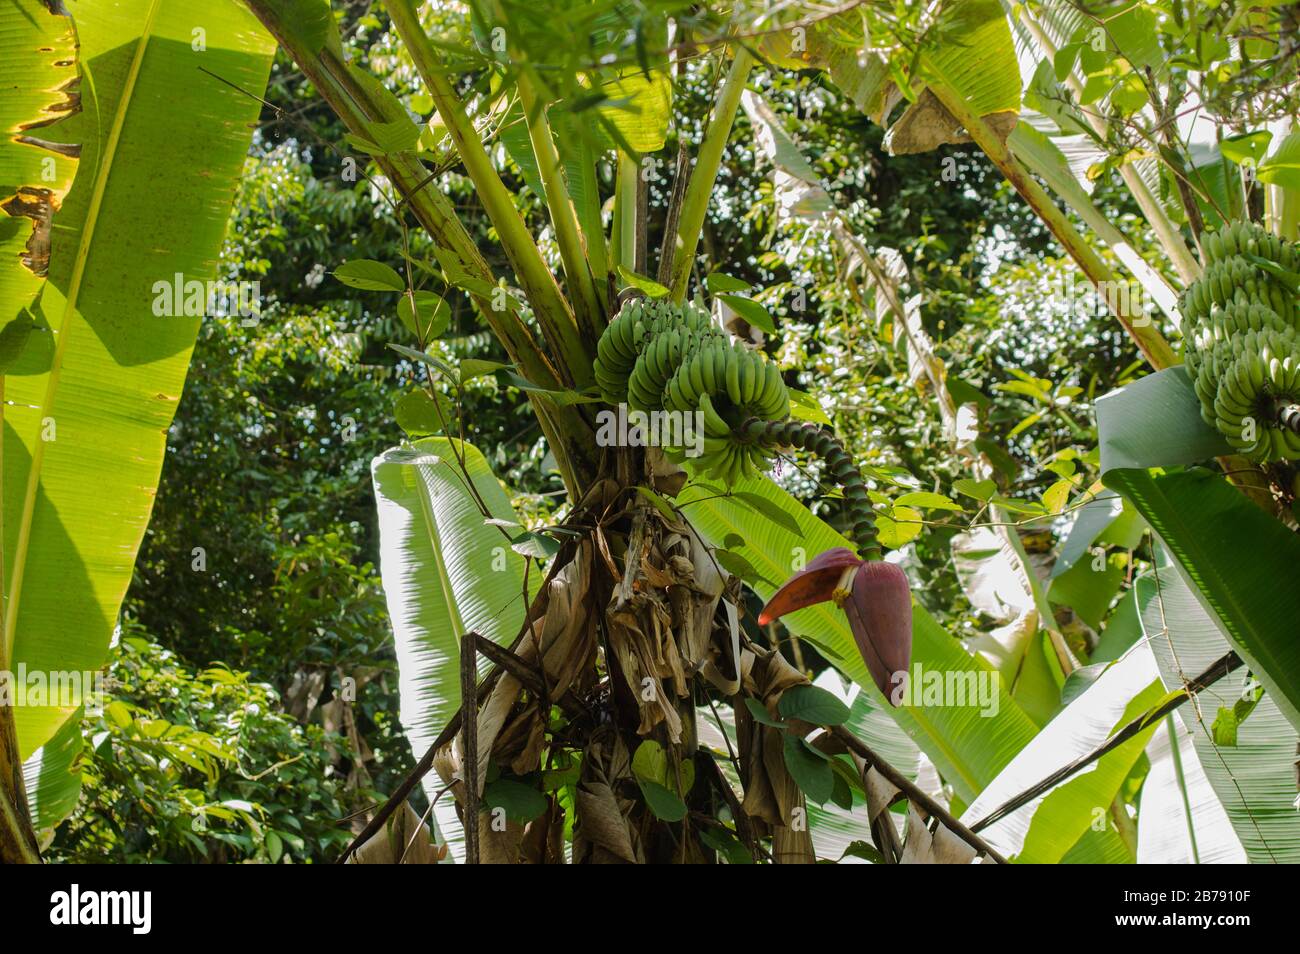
<point>1288,415</point>
<point>839,464</point>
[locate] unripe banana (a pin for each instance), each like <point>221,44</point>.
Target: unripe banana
<point>1241,344</point>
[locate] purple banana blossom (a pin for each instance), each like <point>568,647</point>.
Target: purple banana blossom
<point>873,594</point>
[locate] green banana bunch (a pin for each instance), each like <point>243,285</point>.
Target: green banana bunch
<point>626,337</point>
<point>1242,340</point>
<point>656,355</point>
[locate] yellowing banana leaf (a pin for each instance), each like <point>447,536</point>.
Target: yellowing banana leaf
<point>52,776</point>
<point>968,743</point>
<point>445,572</point>
<point>38,74</point>
<point>975,57</point>
<point>93,391</point>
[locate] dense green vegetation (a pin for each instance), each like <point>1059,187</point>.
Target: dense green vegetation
<point>1077,540</point>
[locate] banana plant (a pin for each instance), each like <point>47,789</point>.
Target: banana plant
<point>586,729</point>
<point>586,724</point>
<point>120,178</point>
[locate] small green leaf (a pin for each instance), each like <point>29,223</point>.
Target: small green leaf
<point>809,768</point>
<point>472,368</point>
<point>770,509</point>
<point>813,704</point>
<point>841,794</point>
<point>1246,148</point>
<point>751,311</point>
<point>369,275</point>
<point>422,357</point>
<point>760,714</point>
<point>521,803</point>
<point>719,283</point>
<point>563,397</point>
<point>737,565</point>
<point>899,527</point>
<point>981,490</point>
<point>928,501</point>
<point>1225,728</point>
<point>804,407</point>
<point>651,287</point>
<point>722,841</point>
<point>420,415</point>
<point>665,805</point>
<point>535,545</point>
<point>1057,496</point>
<point>424,314</point>
<point>650,763</point>
<point>865,851</point>
<point>663,506</point>
<point>1013,505</point>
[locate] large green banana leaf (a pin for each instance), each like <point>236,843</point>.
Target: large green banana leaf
<point>1234,553</point>
<point>445,572</point>
<point>1181,820</point>
<point>1255,779</point>
<point>970,745</point>
<point>1242,564</point>
<point>1155,422</point>
<point>92,393</point>
<point>1045,829</point>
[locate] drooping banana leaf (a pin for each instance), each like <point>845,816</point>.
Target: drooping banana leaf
<point>1255,779</point>
<point>93,391</point>
<point>1242,564</point>
<point>445,572</point>
<point>968,743</point>
<point>1230,549</point>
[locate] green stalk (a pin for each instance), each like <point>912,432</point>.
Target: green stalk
<point>568,432</point>
<point>839,465</point>
<point>1172,727</point>
<point>1154,347</point>
<point>1167,234</point>
<point>18,843</point>
<point>559,327</point>
<point>1140,328</point>
<point>625,203</point>
<point>705,173</point>
<point>564,218</point>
